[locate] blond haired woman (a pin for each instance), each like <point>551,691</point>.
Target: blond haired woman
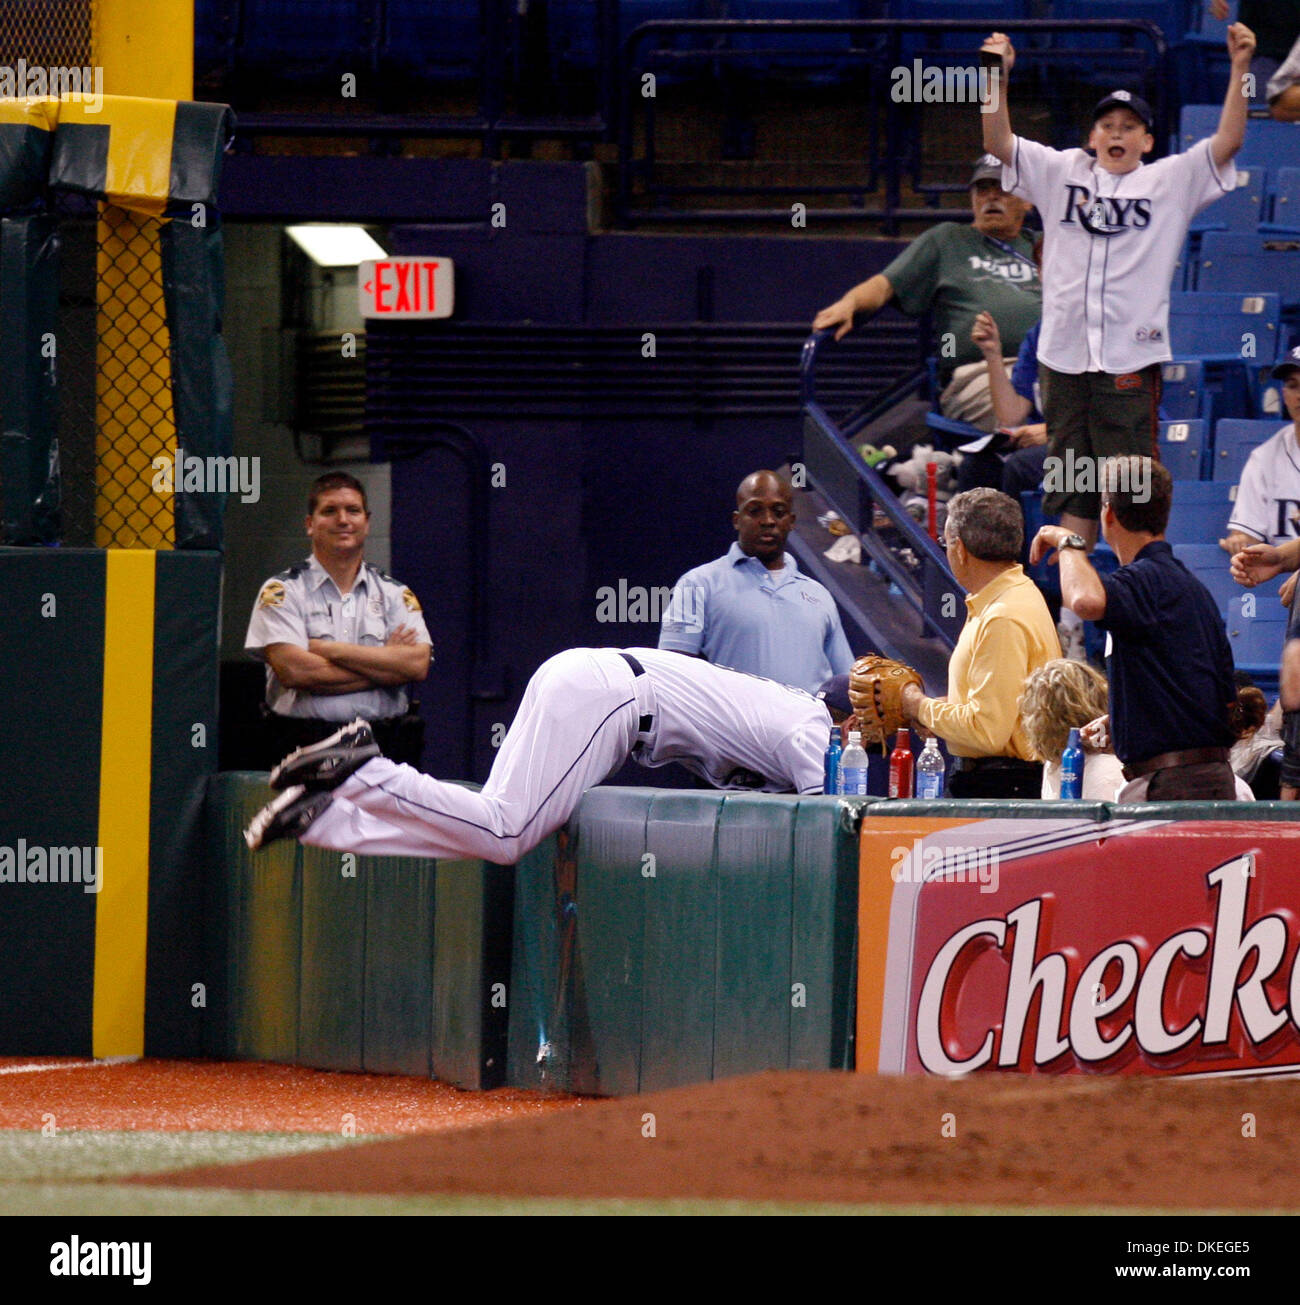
<point>1060,696</point>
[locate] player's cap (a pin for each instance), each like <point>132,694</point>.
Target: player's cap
<point>1125,100</point>
<point>1289,364</point>
<point>988,167</point>
<point>835,694</point>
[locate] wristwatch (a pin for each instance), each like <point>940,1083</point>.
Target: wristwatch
<point>1073,541</point>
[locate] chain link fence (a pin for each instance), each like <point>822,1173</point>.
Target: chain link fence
<point>46,33</point>
<point>115,414</point>
<point>134,417</point>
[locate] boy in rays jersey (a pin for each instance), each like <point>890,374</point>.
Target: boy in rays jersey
<point>1113,228</point>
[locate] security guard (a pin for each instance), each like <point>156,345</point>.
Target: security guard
<point>340,639</point>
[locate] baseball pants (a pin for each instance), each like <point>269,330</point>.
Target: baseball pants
<point>577,724</point>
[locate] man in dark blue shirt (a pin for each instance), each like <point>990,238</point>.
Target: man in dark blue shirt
<point>1170,663</point>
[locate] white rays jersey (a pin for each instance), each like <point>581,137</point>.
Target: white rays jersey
<point>734,729</point>
<point>1110,245</point>
<point>583,714</point>
<point>1268,497</point>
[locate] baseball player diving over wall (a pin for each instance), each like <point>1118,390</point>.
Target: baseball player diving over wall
<point>584,713</point>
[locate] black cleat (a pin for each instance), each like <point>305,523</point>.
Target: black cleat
<point>287,816</point>
<point>328,763</point>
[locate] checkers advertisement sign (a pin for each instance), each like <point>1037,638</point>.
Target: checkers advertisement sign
<point>1068,946</point>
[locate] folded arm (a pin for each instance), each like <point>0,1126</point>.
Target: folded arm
<point>399,661</point>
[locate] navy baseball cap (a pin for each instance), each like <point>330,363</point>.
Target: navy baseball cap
<point>1125,100</point>
<point>1289,364</point>
<point>835,694</point>
<point>988,167</point>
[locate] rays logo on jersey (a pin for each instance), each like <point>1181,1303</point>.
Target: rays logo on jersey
<point>1104,215</point>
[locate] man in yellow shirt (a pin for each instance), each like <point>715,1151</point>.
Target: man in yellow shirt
<point>1008,633</point>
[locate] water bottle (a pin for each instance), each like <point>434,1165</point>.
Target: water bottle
<point>929,771</point>
<point>853,767</point>
<point>1072,768</point>
<point>900,766</point>
<point>831,782</point>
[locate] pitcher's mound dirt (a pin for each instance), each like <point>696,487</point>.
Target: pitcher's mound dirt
<point>990,1139</point>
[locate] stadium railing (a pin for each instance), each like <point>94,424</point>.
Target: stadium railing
<point>668,50</point>
<point>869,505</point>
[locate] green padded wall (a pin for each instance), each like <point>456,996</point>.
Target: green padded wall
<point>659,938</point>
<point>398,978</point>
<point>351,962</point>
<point>331,984</point>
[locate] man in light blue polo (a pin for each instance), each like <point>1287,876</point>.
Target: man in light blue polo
<point>753,609</point>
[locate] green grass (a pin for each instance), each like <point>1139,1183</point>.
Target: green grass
<point>72,1172</point>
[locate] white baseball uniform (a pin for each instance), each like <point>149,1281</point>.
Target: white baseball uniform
<point>1269,494</point>
<point>1110,244</point>
<point>584,713</point>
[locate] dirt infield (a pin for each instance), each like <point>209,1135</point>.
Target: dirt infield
<point>987,1140</point>
<point>192,1095</point>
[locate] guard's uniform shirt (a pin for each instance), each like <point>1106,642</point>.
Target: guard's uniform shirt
<point>1110,245</point>
<point>782,624</point>
<point>1170,663</point>
<point>304,603</point>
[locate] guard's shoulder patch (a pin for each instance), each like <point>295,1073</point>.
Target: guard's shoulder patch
<point>272,594</point>
<point>411,601</point>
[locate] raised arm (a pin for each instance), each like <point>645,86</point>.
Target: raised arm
<point>995,115</point>
<point>1225,142</point>
<point>1081,588</point>
<point>868,296</point>
<point>1009,408</point>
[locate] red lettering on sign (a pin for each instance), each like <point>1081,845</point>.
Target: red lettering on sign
<point>381,288</point>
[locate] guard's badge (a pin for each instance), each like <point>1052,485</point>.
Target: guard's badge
<point>411,601</point>
<point>272,594</point>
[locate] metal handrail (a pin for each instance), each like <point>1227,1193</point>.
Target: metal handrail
<point>856,491</point>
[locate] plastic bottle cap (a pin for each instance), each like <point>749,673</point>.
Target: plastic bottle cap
<point>855,738</point>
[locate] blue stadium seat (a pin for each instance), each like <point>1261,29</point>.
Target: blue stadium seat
<point>1195,122</point>
<point>1209,564</point>
<point>1266,395</point>
<point>1223,327</point>
<point>1283,201</point>
<point>1182,445</point>
<point>302,37</point>
<point>1182,392</point>
<point>1240,209</point>
<point>817,56</point>
<point>1120,56</point>
<point>1256,638</point>
<point>1270,144</point>
<point>1045,576</point>
<point>440,42</point>
<point>967,42</point>
<point>1248,263</point>
<point>1234,438</point>
<point>1199,512</point>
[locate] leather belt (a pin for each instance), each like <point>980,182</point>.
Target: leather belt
<point>1169,760</point>
<point>646,723</point>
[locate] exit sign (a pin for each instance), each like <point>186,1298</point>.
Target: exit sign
<point>405,287</point>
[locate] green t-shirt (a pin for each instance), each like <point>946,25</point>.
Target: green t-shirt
<point>955,273</point>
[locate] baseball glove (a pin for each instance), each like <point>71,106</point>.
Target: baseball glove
<point>876,687</point>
